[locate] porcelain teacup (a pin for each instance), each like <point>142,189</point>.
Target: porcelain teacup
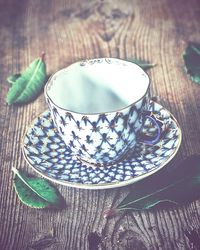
<point>98,107</point>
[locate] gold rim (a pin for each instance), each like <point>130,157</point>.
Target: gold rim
<point>106,185</point>
<point>99,113</point>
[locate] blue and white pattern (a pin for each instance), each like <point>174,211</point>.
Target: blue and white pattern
<point>112,133</point>
<point>46,152</point>
<point>101,121</point>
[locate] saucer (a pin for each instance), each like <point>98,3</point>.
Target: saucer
<point>46,153</point>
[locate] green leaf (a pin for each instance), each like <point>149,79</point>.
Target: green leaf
<point>191,58</point>
<point>177,187</point>
<point>36,192</point>
<point>27,86</point>
<point>143,64</point>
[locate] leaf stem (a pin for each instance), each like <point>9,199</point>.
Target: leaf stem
<point>126,208</point>
<point>15,170</point>
<point>147,64</point>
<point>42,56</point>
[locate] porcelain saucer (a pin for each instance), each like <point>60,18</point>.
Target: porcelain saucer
<point>47,154</point>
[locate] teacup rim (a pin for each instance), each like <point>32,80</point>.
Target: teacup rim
<point>95,113</point>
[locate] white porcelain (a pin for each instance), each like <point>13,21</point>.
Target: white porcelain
<point>98,107</point>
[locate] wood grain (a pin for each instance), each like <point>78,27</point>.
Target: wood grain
<point>68,31</point>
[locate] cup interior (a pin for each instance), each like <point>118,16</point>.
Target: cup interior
<point>97,85</point>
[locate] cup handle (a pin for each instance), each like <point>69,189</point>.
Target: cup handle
<point>158,123</point>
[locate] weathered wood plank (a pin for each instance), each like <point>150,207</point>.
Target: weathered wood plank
<point>69,31</point>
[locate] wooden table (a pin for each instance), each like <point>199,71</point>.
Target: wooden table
<point>157,31</point>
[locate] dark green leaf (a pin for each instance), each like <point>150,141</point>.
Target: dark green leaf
<point>27,86</point>
<point>43,243</point>
<point>36,192</point>
<point>177,187</point>
<point>191,58</point>
<point>143,64</point>
<point>193,236</point>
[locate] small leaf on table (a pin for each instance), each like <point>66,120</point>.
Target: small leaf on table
<point>143,64</point>
<point>43,243</point>
<point>25,87</point>
<point>180,186</point>
<point>191,58</point>
<point>36,192</point>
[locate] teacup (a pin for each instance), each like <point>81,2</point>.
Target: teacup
<point>98,107</point>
